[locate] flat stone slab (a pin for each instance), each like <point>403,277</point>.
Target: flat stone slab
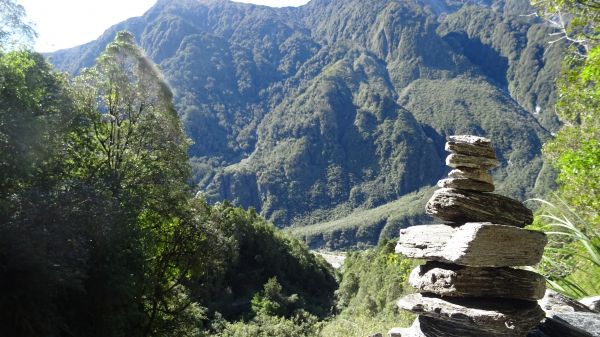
<point>494,317</point>
<point>474,244</point>
<point>470,146</point>
<point>456,160</point>
<point>460,206</point>
<point>429,326</point>
<point>470,173</point>
<point>460,281</point>
<point>466,184</point>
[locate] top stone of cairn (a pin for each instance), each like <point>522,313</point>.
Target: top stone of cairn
<point>469,145</point>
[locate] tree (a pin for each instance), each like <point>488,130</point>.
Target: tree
<point>138,153</point>
<point>575,151</point>
<point>574,20</point>
<point>42,242</point>
<point>571,263</point>
<point>14,30</point>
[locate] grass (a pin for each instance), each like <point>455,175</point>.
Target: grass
<point>571,261</point>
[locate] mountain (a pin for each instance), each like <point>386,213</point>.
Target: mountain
<point>309,113</point>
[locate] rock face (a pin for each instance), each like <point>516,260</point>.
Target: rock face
<point>474,244</point>
<point>467,288</point>
<point>461,206</point>
<point>460,281</point>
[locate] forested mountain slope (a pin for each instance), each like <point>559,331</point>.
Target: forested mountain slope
<point>308,113</point>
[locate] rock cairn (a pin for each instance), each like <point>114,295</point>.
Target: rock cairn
<point>467,286</point>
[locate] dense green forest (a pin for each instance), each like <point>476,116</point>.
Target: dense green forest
<point>307,114</point>
<point>102,232</point>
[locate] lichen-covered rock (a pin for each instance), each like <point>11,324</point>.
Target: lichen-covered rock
<point>497,317</point>
<point>474,244</point>
<point>456,205</point>
<point>466,184</point>
<point>461,281</point>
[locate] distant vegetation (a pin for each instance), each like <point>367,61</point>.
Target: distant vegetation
<point>372,281</point>
<point>367,227</point>
<point>306,114</point>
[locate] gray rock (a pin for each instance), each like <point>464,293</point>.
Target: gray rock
<point>492,317</point>
<point>466,184</point>
<point>460,281</point>
<point>470,146</point>
<point>460,160</point>
<point>575,324</point>
<point>474,244</point>
<point>475,174</point>
<point>456,205</point>
<point>592,302</point>
<point>554,303</point>
<point>377,334</point>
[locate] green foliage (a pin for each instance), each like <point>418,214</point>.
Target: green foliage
<point>575,152</point>
<point>256,252</point>
<point>99,235</point>
<point>574,20</point>
<point>300,325</point>
<point>372,281</point>
<point>571,261</point>
<point>39,245</point>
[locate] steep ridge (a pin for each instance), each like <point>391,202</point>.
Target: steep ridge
<point>308,113</point>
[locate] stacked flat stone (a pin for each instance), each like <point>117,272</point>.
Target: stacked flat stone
<point>468,287</point>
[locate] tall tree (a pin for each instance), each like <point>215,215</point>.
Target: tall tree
<point>140,156</point>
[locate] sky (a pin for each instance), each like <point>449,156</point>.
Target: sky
<point>67,23</point>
